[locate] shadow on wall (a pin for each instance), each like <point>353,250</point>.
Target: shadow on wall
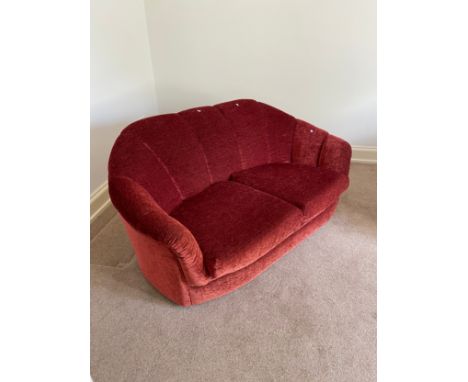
<point>108,118</point>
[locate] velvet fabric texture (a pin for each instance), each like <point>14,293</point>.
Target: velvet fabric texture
<point>312,189</point>
<point>235,224</point>
<point>213,195</point>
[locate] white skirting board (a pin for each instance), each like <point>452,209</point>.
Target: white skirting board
<point>99,201</point>
<point>100,197</point>
<point>364,154</point>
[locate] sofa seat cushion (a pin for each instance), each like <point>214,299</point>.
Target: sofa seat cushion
<point>312,189</point>
<point>235,224</point>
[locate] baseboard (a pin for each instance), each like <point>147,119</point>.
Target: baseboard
<point>364,154</point>
<point>99,201</point>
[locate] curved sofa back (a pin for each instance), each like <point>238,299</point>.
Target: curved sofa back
<point>175,156</point>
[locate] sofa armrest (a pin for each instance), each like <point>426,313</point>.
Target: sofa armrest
<point>335,155</point>
<point>140,210</point>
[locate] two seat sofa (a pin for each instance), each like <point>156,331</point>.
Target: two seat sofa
<point>212,196</point>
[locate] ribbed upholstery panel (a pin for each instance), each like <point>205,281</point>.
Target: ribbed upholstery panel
<point>130,157</point>
<point>280,129</point>
<point>264,133</point>
<point>307,144</point>
<point>173,141</point>
<point>175,156</point>
<point>217,138</point>
<point>248,122</point>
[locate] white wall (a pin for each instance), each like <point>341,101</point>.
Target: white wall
<point>122,84</point>
<point>316,59</point>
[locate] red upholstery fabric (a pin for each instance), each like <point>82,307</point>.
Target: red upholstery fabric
<point>198,236</point>
<point>138,208</point>
<point>307,145</point>
<point>159,266</point>
<point>131,158</point>
<point>312,189</point>
<point>280,132</point>
<point>167,150</point>
<point>336,155</point>
<point>173,142</point>
<point>264,134</point>
<point>235,225</point>
<point>232,281</point>
<point>218,140</point>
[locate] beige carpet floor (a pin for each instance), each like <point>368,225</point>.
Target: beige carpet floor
<point>310,317</point>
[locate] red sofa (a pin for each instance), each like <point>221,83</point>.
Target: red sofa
<point>212,196</point>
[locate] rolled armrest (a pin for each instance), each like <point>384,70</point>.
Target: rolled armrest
<point>335,155</point>
<point>140,210</point>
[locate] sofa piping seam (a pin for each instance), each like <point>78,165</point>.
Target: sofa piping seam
<point>166,169</point>
<point>322,149</point>
<point>202,147</point>
<point>267,133</point>
<point>241,158</point>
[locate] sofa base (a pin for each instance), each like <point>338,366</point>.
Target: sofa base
<point>162,270</point>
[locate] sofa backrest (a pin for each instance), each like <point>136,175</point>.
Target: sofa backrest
<point>175,156</point>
